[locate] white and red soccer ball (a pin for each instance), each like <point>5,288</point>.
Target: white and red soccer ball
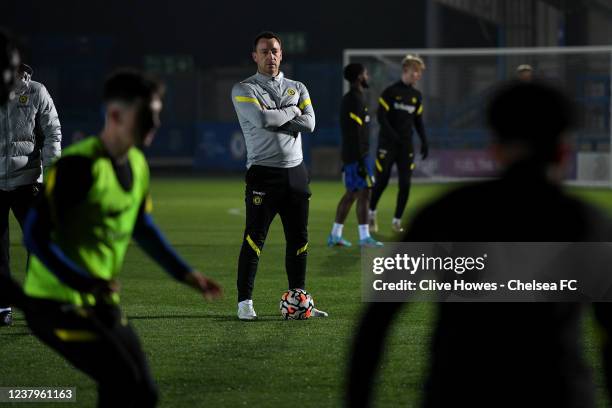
<point>296,304</point>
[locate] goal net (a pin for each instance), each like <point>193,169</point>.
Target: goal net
<point>456,84</point>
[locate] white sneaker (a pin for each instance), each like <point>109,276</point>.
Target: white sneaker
<point>318,313</point>
<point>396,226</point>
<point>246,311</point>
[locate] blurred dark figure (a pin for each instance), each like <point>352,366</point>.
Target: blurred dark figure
<point>10,61</point>
<point>503,354</point>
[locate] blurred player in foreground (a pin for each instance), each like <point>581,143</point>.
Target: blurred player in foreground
<point>504,354</point>
<point>357,170</point>
<point>30,140</point>
<point>95,201</point>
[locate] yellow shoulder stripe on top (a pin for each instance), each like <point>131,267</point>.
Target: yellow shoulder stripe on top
<point>356,118</point>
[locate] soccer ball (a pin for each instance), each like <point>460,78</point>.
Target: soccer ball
<point>296,304</point>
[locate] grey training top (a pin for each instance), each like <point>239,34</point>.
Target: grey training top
<point>273,111</point>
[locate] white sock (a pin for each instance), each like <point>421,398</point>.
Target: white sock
<point>364,231</point>
<point>7,309</point>
<point>337,230</point>
<point>396,221</point>
<point>372,213</point>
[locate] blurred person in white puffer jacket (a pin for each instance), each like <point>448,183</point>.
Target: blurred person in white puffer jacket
<point>30,140</point>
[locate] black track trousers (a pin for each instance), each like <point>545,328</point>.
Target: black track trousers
<point>19,200</point>
<point>270,191</point>
<point>403,158</point>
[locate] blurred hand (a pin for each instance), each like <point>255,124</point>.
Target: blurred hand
<point>105,309</point>
<point>362,170</point>
<point>424,150</point>
<point>207,287</point>
<point>104,288</point>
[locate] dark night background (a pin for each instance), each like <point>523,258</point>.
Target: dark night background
<point>201,48</point>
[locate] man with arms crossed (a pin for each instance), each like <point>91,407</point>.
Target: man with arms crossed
<point>273,111</point>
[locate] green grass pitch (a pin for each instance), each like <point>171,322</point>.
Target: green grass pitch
<point>201,355</point>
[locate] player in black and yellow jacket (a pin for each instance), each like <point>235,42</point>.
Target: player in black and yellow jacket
<point>356,166</point>
<point>400,111</point>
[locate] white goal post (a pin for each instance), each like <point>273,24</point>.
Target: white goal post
<point>456,83</point>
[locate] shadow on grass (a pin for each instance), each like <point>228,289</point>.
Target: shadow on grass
<point>275,318</point>
<point>387,238</point>
<point>171,316</point>
<point>9,332</point>
<point>228,318</point>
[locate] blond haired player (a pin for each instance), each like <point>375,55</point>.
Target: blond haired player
<point>400,111</point>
